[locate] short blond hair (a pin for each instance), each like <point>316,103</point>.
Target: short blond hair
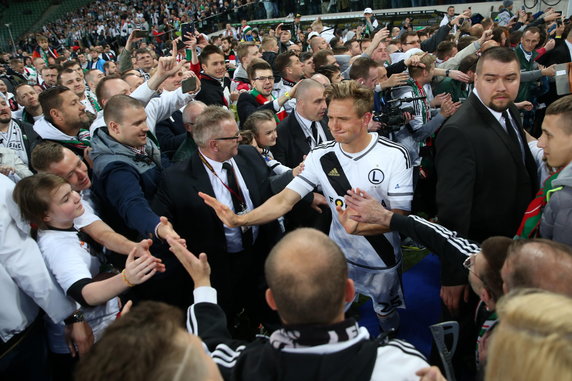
<point>533,340</point>
<point>362,96</point>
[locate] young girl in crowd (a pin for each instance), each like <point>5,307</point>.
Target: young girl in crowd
<point>259,130</point>
<point>48,203</point>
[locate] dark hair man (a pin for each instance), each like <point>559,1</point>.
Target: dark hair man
<point>260,97</point>
<point>289,67</point>
<point>479,194</point>
<point>65,120</point>
<point>214,82</point>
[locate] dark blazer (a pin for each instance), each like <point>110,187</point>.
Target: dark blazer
<point>290,148</point>
<point>177,199</point>
<point>291,144</point>
<point>483,186</point>
<point>247,104</point>
<point>171,133</point>
<point>560,54</point>
<point>31,138</point>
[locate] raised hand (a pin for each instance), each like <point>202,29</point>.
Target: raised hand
<point>344,216</point>
<point>139,270</point>
<point>165,231</point>
<point>198,268</point>
<point>142,249</point>
<point>224,213</point>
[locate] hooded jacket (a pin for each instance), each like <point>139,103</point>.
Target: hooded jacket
<point>556,223</point>
<point>48,131</point>
<point>124,183</point>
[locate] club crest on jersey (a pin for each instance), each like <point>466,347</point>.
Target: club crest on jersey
<point>334,173</point>
<point>375,176</point>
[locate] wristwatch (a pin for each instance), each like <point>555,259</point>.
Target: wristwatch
<point>76,317</point>
<point>447,72</point>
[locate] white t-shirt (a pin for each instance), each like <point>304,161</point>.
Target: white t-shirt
<point>69,260</point>
<point>383,169</point>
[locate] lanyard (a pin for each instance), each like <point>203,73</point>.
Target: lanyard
<point>238,195</point>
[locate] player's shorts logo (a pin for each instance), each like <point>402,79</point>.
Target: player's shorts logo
<point>375,176</point>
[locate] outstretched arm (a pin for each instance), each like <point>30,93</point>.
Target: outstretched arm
<point>274,207</point>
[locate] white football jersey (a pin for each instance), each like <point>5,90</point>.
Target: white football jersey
<point>383,169</point>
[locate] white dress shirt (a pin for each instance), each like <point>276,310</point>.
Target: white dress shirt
<point>306,126</point>
<point>223,195</point>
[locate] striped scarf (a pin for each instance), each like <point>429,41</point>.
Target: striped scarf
<point>261,100</point>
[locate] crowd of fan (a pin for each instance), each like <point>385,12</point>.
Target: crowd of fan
<point>131,144</point>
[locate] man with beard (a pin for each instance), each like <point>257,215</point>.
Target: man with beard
<point>260,97</point>
<point>486,173</point>
<point>65,120</point>
<point>16,135</point>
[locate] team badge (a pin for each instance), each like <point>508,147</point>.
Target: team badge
<point>375,176</point>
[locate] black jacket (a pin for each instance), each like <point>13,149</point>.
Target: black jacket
<point>177,199</point>
<point>247,104</point>
<point>30,137</point>
<point>483,186</point>
<point>291,145</point>
<point>212,93</point>
<point>171,133</point>
<point>352,357</point>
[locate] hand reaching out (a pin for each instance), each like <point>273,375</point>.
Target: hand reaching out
<point>224,213</point>
<point>139,270</point>
<point>198,268</point>
<point>344,216</point>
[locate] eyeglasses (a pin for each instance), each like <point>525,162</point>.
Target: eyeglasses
<point>469,263</point>
<point>270,78</point>
<point>234,137</point>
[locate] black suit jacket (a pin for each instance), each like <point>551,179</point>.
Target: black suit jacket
<point>291,144</point>
<point>247,104</point>
<point>177,198</point>
<point>560,54</point>
<point>171,133</point>
<point>483,186</point>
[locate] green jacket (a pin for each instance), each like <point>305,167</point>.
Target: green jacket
<point>186,149</point>
<point>453,87</point>
<point>525,87</point>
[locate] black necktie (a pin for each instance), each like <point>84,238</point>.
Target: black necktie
<point>236,202</point>
<point>315,133</point>
<point>511,132</point>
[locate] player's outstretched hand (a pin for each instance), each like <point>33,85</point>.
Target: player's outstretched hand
<point>226,215</point>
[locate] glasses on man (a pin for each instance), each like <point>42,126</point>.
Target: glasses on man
<point>234,137</point>
<point>469,263</point>
<point>263,79</point>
